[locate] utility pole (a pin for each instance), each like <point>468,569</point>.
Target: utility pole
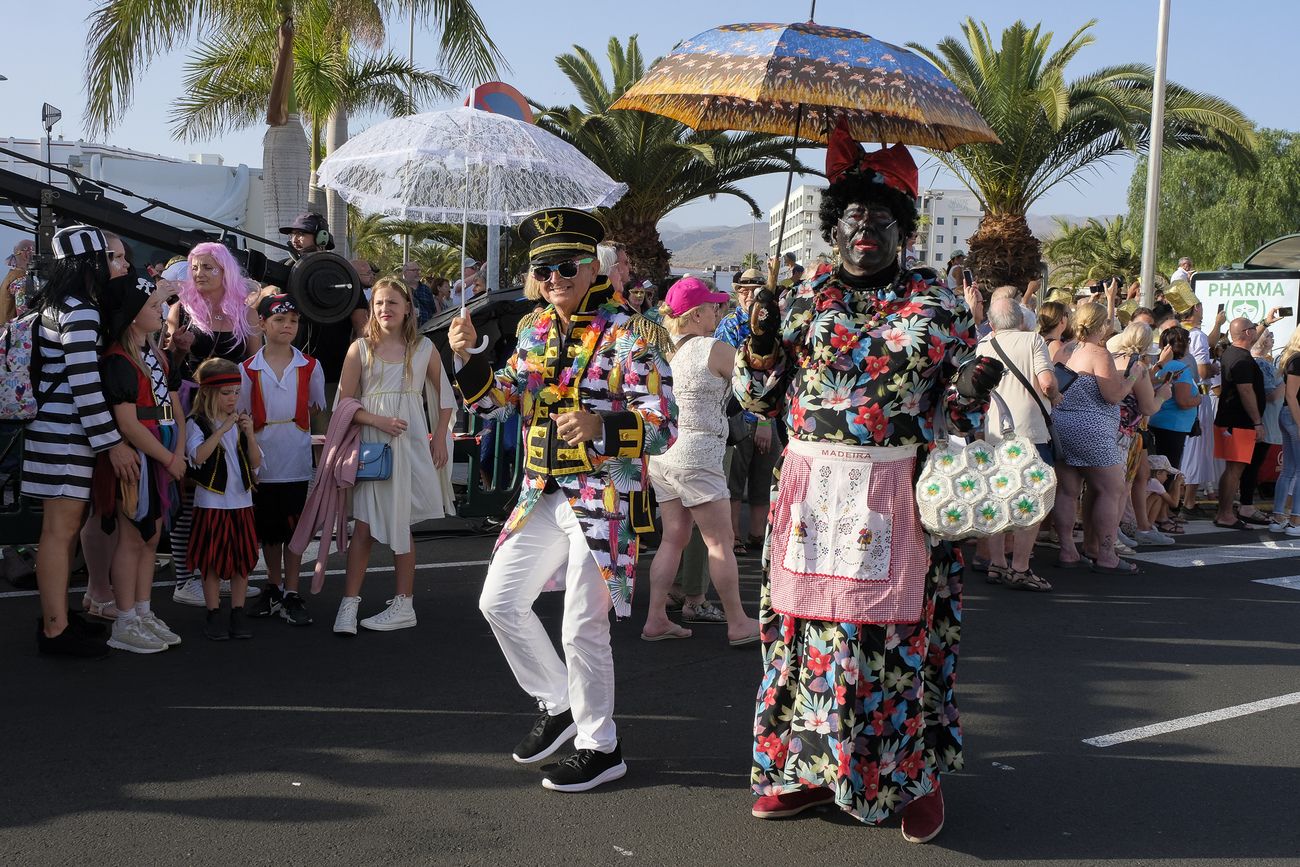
<point>1152,218</point>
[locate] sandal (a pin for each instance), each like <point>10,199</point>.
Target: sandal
<point>1172,527</point>
<point>995,574</point>
<point>740,549</point>
<point>704,612</point>
<point>754,543</point>
<point>675,601</point>
<point>1026,580</point>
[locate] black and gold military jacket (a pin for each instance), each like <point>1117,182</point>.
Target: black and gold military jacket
<point>611,363</point>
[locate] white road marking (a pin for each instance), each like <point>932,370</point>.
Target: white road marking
<point>1216,555</point>
<point>404,711</point>
<point>1290,582</point>
<point>1193,721</point>
<point>260,576</point>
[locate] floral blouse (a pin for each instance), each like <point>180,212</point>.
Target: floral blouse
<point>865,366</point>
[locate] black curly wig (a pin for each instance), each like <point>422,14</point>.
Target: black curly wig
<point>862,189</point>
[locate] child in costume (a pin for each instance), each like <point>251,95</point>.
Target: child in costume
<point>145,406</point>
<point>224,459</point>
<point>280,388</point>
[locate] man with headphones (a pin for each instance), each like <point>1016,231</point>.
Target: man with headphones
<point>308,233</point>
<point>327,343</point>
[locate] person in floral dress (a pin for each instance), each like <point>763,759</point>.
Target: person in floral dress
<point>860,609</point>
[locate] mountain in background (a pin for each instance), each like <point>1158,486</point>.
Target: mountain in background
<point>706,246</point>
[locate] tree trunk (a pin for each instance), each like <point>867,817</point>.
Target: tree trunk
<point>285,173</point>
<point>336,211</point>
<point>649,257</point>
<point>1004,252</point>
<point>315,195</point>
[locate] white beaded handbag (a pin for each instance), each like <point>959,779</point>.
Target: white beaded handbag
<point>982,488</point>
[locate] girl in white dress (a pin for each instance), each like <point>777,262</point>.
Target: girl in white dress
<point>388,370</point>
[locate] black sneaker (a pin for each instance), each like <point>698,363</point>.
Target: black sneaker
<point>77,620</point>
<point>215,627</point>
<point>269,603</point>
<point>549,733</point>
<point>70,642</point>
<point>586,769</point>
<point>294,610</point>
<point>239,623</point>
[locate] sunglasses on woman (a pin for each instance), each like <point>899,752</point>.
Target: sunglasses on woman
<point>568,270</point>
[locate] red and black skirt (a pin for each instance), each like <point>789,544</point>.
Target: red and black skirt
<point>223,542</point>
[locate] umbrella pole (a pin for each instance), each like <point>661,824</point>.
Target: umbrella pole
<point>785,203</point>
<point>464,243</point>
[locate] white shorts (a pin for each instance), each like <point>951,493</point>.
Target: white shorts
<point>694,486</point>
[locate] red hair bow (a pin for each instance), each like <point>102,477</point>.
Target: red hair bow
<point>894,164</point>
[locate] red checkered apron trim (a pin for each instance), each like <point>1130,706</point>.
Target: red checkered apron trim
<point>822,587</point>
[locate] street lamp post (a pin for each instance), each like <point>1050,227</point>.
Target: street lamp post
<point>1150,228</point>
<point>49,117</point>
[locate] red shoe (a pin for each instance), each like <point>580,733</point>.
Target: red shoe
<point>923,818</point>
<point>792,803</point>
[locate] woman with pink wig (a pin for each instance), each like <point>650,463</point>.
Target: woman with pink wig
<point>212,319</point>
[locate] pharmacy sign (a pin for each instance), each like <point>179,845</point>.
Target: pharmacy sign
<point>1250,294</point>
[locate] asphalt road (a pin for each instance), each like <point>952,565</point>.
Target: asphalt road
<point>300,747</point>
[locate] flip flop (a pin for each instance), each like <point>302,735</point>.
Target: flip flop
<point>675,632</point>
<point>1256,519</point>
<point>1082,563</point>
<point>1236,525</point>
<point>741,642</point>
<point>1124,568</point>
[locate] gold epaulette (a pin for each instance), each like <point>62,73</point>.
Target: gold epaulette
<point>529,320</point>
<point>652,333</point>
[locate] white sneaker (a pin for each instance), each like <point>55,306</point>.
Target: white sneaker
<point>190,593</point>
<point>1154,537</point>
<point>160,630</point>
<point>1292,530</point>
<point>400,614</point>
<point>133,637</point>
<point>345,622</point>
<point>1122,538</point>
<point>253,590</point>
<point>102,610</point>
<point>1277,527</point>
<point>1123,550</point>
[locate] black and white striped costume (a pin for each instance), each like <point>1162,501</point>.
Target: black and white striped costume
<point>73,421</point>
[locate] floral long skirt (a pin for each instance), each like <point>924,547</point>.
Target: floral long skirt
<point>865,710</point>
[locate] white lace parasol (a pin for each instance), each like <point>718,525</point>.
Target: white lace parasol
<point>464,165</point>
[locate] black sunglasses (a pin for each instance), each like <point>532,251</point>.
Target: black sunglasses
<point>567,270</point>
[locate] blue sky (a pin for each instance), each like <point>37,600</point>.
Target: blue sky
<point>1242,52</point>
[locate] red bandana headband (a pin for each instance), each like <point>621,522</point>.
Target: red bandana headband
<point>217,380</point>
<point>892,166</point>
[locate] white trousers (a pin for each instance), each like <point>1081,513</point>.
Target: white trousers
<point>551,539</point>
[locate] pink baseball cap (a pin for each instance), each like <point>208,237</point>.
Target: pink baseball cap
<point>690,292</point>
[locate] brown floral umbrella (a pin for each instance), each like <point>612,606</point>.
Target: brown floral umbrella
<point>802,79</point>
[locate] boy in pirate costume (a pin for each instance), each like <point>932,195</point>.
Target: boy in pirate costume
<point>591,384</point>
<point>281,388</point>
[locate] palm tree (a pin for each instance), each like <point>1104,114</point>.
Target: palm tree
<point>1094,251</point>
<point>1051,129</point>
<point>229,79</point>
<point>664,163</point>
<point>126,35</point>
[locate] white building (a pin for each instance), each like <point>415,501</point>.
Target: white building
<point>231,195</point>
<point>954,216</point>
<point>803,234</point>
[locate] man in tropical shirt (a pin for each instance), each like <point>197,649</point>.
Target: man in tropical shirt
<point>594,393</point>
<point>860,609</point>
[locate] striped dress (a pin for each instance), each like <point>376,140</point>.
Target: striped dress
<point>73,422</point>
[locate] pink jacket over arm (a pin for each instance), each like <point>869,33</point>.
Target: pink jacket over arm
<point>326,507</point>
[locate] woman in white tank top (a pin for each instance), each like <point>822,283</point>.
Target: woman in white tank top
<point>688,479</point>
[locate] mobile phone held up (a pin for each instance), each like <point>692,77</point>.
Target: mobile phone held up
<point>968,276</point>
<point>1286,311</point>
